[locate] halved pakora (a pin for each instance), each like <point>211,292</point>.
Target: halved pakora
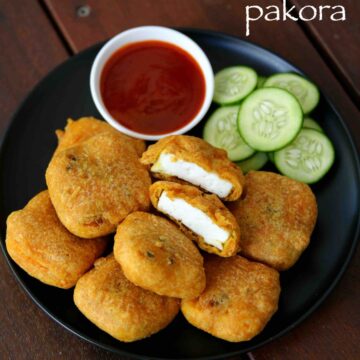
<point>95,184</point>
<point>202,216</point>
<point>239,299</point>
<point>276,217</point>
<point>156,255</point>
<point>195,161</point>
<point>38,242</point>
<point>120,308</point>
<point>77,131</point>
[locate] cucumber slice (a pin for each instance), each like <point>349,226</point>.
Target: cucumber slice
<point>255,162</point>
<point>221,131</point>
<point>312,124</point>
<point>261,82</point>
<point>308,158</point>
<point>271,156</point>
<point>269,119</point>
<point>232,84</point>
<point>304,90</point>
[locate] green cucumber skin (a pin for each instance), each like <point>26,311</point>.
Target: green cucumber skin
<point>309,182</point>
<point>315,87</point>
<point>208,124</point>
<point>283,146</point>
<point>271,156</point>
<point>313,124</point>
<point>237,101</point>
<point>277,160</point>
<point>261,82</point>
<point>253,163</point>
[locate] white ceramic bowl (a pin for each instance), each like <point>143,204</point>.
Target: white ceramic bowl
<point>144,33</point>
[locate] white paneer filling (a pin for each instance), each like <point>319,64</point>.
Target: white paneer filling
<point>193,218</point>
<point>193,173</point>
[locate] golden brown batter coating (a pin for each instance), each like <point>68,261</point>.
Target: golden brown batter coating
<point>120,308</point>
<point>94,185</point>
<point>209,205</point>
<point>276,217</point>
<point>155,255</point>
<point>82,129</point>
<point>201,153</point>
<point>38,242</point>
<point>239,299</point>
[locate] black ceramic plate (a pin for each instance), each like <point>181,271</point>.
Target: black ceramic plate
<point>30,141</point>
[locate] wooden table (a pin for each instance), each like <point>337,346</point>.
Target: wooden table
<point>35,36</point>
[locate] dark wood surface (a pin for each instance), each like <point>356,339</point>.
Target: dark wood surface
<point>26,54</point>
<point>338,42</point>
<point>39,35</point>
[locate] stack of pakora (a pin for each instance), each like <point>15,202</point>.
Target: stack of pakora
<point>203,239</point>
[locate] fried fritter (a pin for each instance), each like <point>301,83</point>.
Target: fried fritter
<point>120,308</point>
<point>38,242</point>
<point>202,217</point>
<point>239,299</point>
<point>276,217</point>
<point>157,256</point>
<point>194,160</point>
<point>77,131</point>
<point>94,185</point>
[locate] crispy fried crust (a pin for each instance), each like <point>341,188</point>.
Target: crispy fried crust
<point>276,218</point>
<point>94,185</point>
<point>118,307</point>
<point>198,151</point>
<point>210,205</point>
<point>38,242</point>
<point>77,131</point>
<point>155,255</point>
<point>239,299</point>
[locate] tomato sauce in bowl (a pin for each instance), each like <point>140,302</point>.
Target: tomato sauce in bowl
<point>152,87</point>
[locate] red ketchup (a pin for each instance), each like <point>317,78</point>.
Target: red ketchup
<point>152,87</point>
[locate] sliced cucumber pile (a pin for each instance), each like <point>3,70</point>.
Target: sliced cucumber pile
<point>265,121</point>
<point>220,131</point>
<point>304,90</point>
<point>308,158</point>
<point>234,83</point>
<point>269,119</point>
<point>255,162</point>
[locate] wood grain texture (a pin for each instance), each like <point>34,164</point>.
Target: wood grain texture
<point>27,52</point>
<point>339,41</point>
